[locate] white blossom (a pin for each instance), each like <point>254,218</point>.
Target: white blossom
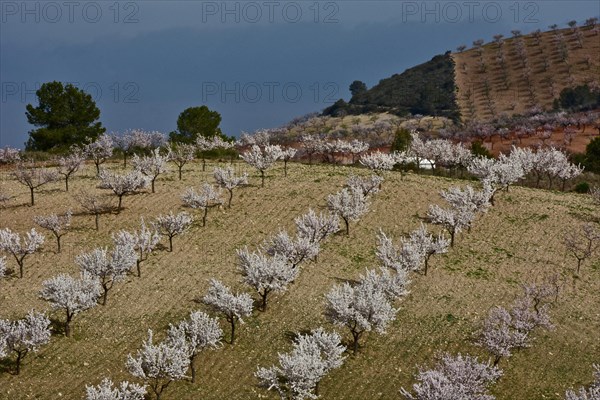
<point>172,225</point>
<point>300,371</point>
<point>366,306</point>
<point>10,242</point>
<point>122,185</point>
<point>368,185</point>
<point>107,268</point>
<point>2,267</point>
<point>349,204</point>
<point>295,250</point>
<point>592,393</point>
<point>316,227</point>
<point>106,390</point>
<point>23,336</point>
<point>235,307</point>
<point>151,166</point>
<point>27,174</point>
<point>262,160</point>
<point>99,150</point>
<point>9,155</point>
<point>143,242</point>
<point>266,273</point>
<point>286,155</point>
<point>499,336</point>
<point>206,144</point>
<point>208,197</point>
<point>57,224</point>
<point>455,377</point>
<point>226,178</point>
<point>159,364</point>
<point>181,154</point>
<point>70,164</point>
<point>378,161</point>
<point>71,295</point>
<point>195,334</point>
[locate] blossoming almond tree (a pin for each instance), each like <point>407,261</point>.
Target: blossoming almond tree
<point>23,336</point>
<point>143,242</point>
<point>266,274</point>
<point>226,178</point>
<point>455,377</point>
<point>195,334</point>
<point>159,364</point>
<point>27,174</point>
<point>10,242</point>
<point>350,204</point>
<point>57,224</point>
<point>70,164</point>
<point>106,390</point>
<point>300,371</point>
<point>235,307</point>
<point>107,268</point>
<point>151,166</point>
<point>122,185</point>
<point>208,197</point>
<point>262,160</point>
<point>171,225</point>
<point>72,295</point>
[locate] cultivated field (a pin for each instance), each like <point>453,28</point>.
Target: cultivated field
<point>524,72</point>
<point>519,240</point>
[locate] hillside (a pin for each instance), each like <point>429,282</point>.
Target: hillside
<point>519,240</point>
<point>503,77</point>
<point>515,75</point>
<point>426,89</point>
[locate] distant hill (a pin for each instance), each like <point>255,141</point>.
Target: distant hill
<point>513,76</point>
<point>501,78</point>
<point>426,89</point>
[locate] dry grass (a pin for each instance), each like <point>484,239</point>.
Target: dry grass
<point>512,95</point>
<point>517,241</point>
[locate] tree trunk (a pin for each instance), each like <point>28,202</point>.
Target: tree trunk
<point>104,295</point>
<point>203,164</point>
<point>68,324</point>
<point>204,216</point>
<point>20,262</point>
<point>230,197</point>
<point>171,243</point>
<point>67,182</point>
<point>153,185</point>
<point>58,242</point>
<point>20,356</point>
<point>497,360</point>
<point>426,265</point>
<point>180,167</point>
<point>232,323</point>
<point>262,178</point>
<point>193,368</point>
<point>32,199</point>
<point>97,218</point>
<point>264,300</point>
<point>124,159</point>
<point>347,226</point>
<point>97,167</point>
<point>119,207</point>
<point>452,238</point>
<point>139,269</point>
<point>356,337</point>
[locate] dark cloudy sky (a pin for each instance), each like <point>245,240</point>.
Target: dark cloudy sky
<point>258,63</point>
